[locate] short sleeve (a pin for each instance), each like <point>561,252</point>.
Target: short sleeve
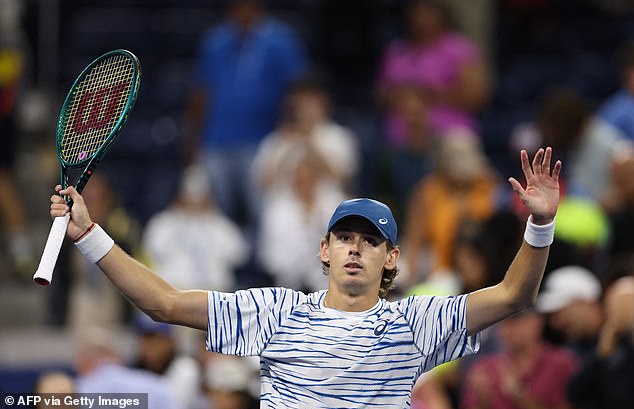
<point>439,327</point>
<point>242,323</point>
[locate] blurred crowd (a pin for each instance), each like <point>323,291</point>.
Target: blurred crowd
<point>273,138</point>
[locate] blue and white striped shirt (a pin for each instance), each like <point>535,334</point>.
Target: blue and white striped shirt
<point>312,356</point>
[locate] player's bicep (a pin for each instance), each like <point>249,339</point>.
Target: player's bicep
<point>487,306</point>
<point>189,308</point>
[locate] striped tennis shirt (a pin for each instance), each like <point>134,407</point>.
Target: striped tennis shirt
<point>312,356</point>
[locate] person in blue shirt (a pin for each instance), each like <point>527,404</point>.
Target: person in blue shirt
<point>101,370</point>
<point>618,110</point>
<point>345,346</point>
<point>243,68</point>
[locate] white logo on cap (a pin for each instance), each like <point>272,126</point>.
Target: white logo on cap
<point>382,221</point>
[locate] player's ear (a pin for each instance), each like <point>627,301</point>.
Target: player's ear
<point>324,254</point>
<point>392,258</point>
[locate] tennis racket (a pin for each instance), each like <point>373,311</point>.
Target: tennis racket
<point>90,120</point>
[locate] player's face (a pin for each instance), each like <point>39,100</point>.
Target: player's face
<point>357,254</point>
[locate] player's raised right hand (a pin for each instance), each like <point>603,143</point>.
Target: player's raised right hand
<point>79,217</point>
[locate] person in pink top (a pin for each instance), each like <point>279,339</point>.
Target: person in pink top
<point>526,373</point>
<point>438,61</point>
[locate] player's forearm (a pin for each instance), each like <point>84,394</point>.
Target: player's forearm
<point>522,280</point>
<point>145,289</point>
<point>153,295</point>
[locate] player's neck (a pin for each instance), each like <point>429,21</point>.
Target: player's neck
<point>348,302</point>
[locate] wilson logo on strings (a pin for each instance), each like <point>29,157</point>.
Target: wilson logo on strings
<point>96,109</point>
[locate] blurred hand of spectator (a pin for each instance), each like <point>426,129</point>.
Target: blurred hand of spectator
<point>618,307</point>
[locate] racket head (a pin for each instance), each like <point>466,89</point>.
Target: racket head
<point>96,108</point>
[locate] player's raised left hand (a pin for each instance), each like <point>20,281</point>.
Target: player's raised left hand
<point>541,195</point>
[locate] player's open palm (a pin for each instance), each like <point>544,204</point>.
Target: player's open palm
<point>541,195</point>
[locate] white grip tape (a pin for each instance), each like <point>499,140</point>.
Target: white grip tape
<point>44,273</point>
<point>95,245</point>
<point>539,236</point>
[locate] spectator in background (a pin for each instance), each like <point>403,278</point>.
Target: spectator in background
<point>621,211</point>
<point>586,142</point>
<point>462,187</point>
<point>414,160</point>
<point>209,246</point>
<point>305,125</point>
<point>605,382</point>
<point>570,298</point>
<point>244,67</point>
<point>158,352</point>
<point>527,373</point>
<point>90,300</point>
<point>435,58</point>
<point>230,382</point>
<point>599,331</point>
<point>12,72</point>
<point>293,220</point>
<point>101,369</point>
<point>618,110</point>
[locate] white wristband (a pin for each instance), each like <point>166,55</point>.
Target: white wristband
<point>95,245</point>
<point>539,236</point>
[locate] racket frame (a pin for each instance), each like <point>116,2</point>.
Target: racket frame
<point>92,160</point>
<point>44,273</point>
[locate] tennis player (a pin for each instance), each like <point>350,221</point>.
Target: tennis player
<point>344,347</point>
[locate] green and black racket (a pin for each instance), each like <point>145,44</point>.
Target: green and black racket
<point>91,118</point>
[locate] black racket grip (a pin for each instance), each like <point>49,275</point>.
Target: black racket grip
<point>83,179</point>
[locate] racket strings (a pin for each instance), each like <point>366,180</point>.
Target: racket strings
<point>97,105</point>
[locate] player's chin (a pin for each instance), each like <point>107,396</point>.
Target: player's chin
<point>354,283</point>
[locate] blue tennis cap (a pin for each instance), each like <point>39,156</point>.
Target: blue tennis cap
<point>373,211</point>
